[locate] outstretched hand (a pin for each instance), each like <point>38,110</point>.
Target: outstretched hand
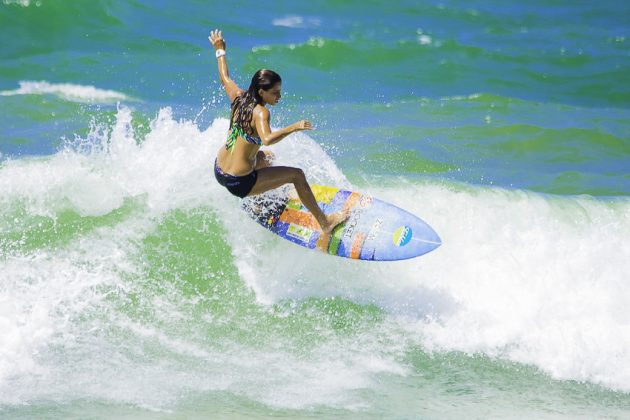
<point>303,125</point>
<point>216,38</point>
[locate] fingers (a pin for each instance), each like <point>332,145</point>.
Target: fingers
<point>215,36</point>
<point>303,125</point>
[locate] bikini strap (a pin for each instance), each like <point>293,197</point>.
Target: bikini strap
<point>234,134</point>
<point>237,131</point>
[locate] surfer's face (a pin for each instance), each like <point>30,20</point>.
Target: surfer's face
<point>273,95</point>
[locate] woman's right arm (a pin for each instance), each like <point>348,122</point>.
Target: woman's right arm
<point>218,43</point>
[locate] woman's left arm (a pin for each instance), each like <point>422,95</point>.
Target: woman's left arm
<point>268,137</point>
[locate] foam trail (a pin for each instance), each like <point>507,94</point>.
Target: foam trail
<point>296,21</point>
<point>68,91</point>
<point>23,3</point>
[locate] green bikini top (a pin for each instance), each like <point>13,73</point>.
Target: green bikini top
<point>236,132</point>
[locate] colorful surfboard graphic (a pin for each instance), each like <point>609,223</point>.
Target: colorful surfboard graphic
<point>375,230</point>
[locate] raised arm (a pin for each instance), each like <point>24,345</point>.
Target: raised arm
<point>218,43</point>
<point>268,137</point>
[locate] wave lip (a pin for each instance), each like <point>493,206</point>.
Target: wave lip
<point>68,91</point>
<point>23,3</point>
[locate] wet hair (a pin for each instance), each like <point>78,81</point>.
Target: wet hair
<point>243,105</point>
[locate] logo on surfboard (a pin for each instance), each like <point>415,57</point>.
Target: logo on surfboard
<point>402,236</point>
<point>299,232</point>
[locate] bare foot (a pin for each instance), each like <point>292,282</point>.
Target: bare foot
<point>334,219</point>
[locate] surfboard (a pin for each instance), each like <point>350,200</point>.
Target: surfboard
<point>376,230</point>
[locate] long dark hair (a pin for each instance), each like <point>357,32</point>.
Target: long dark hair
<point>243,105</point>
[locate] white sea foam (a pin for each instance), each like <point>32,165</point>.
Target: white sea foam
<point>296,21</point>
<point>522,276</point>
<point>536,279</point>
<point>526,277</point>
<point>23,3</point>
<point>56,302</point>
<point>67,91</point>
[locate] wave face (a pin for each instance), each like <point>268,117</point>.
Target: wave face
<point>123,260</point>
<point>132,285</point>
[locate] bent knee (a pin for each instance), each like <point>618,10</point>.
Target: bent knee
<point>298,175</point>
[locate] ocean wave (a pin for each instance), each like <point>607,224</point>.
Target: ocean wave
<point>537,279</point>
<point>525,277</point>
<point>127,256</point>
<point>23,3</point>
<point>67,91</point>
<point>435,54</point>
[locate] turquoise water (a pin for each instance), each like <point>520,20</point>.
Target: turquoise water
<point>130,286</point>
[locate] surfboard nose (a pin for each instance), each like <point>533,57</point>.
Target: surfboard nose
<point>425,239</point>
<point>433,236</point>
<point>433,239</point>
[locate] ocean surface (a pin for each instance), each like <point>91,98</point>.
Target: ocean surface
<point>132,286</point>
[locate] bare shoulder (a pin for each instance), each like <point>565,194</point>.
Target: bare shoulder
<point>261,112</point>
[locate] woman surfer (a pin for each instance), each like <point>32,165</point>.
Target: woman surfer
<point>240,166</point>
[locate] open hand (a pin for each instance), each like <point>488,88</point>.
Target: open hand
<point>217,40</point>
<point>303,125</point>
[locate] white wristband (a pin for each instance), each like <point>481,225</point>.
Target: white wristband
<point>219,53</point>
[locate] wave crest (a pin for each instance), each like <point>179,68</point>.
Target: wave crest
<point>67,91</point>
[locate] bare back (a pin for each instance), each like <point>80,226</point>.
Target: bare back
<point>241,158</point>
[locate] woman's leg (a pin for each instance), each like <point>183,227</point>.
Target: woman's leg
<point>276,176</point>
